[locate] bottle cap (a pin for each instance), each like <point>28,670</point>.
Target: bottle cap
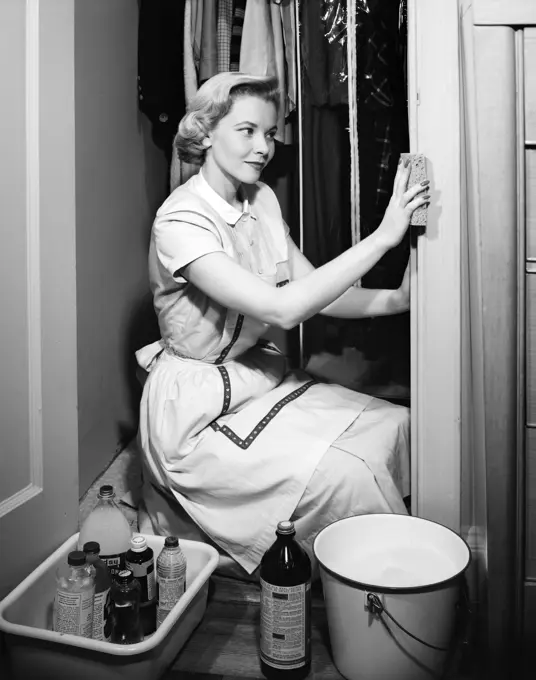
<point>286,527</point>
<point>106,491</point>
<point>171,542</point>
<point>138,543</point>
<point>76,558</point>
<point>124,576</point>
<point>92,548</point>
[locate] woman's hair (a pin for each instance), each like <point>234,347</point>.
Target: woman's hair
<point>212,102</point>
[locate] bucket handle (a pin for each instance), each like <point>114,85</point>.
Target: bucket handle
<point>374,606</point>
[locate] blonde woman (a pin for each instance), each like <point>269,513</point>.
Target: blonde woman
<point>230,437</point>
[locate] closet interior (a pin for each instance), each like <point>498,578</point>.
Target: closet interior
<point>342,70</point>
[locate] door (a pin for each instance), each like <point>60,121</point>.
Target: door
<point>38,400</point>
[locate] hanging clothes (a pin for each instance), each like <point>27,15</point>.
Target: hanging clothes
<point>208,58</point>
<point>262,52</point>
<point>236,33</point>
<point>383,135</point>
<point>326,162</point>
<point>225,30</point>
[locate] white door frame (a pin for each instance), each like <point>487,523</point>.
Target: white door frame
<point>435,131</point>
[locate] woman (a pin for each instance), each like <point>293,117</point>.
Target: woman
<point>228,434</point>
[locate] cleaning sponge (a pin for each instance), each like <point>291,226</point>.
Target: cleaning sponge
<point>416,176</point>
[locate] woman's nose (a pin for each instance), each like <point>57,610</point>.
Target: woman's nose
<point>261,145</point>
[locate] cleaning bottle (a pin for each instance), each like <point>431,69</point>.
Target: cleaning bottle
<point>140,560</point>
<point>102,620</point>
<point>285,624</point>
<point>75,590</point>
<point>125,595</point>
<point>109,527</point>
<point>171,574</point>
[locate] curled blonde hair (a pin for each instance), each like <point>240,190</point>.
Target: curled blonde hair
<point>212,102</point>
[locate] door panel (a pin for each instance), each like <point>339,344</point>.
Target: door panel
<point>530,205</point>
<point>38,410</point>
<point>530,83</point>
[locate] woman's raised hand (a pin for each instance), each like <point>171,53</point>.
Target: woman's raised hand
<point>401,206</point>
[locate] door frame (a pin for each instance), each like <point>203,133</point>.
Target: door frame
<point>436,302</point>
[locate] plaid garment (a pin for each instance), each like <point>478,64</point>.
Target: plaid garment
<point>225,29</point>
<point>239,11</point>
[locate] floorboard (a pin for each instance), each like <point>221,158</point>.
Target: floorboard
<point>225,644</point>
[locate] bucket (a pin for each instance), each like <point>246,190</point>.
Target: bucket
<point>392,588</point>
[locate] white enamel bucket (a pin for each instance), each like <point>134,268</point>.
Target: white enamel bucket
<point>392,588</point>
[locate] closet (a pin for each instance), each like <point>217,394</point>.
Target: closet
<point>82,177</point>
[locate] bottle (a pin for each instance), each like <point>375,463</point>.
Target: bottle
<point>102,619</point>
<point>171,575</point>
<point>73,602</point>
<point>107,525</point>
<point>125,595</point>
<point>140,560</point>
<point>285,624</point>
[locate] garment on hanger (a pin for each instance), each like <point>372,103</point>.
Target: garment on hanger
<point>325,161</point>
<point>225,29</point>
<point>236,34</point>
<point>208,58</point>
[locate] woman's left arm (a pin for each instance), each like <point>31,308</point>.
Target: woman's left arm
<point>355,303</point>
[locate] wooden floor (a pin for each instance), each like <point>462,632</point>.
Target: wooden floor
<point>225,644</point>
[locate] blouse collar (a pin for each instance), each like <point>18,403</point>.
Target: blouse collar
<point>229,213</point>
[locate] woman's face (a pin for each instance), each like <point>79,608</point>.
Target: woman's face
<point>242,143</point>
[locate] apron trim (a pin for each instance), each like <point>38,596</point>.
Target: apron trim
<point>226,350</point>
<point>259,427</point>
<point>226,389</point>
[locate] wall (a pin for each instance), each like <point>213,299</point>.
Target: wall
<point>120,181</point>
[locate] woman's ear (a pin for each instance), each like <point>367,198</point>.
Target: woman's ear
<point>207,143</point>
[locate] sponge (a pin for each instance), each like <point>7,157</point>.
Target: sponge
<point>416,176</point>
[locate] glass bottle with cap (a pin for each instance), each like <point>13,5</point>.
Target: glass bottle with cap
<point>140,560</point>
<point>109,527</point>
<point>126,593</point>
<point>285,623</point>
<point>73,601</point>
<point>102,619</point>
<point>171,576</point>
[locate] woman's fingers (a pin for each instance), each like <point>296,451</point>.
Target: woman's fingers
<point>401,177</point>
<point>417,202</point>
<point>415,190</point>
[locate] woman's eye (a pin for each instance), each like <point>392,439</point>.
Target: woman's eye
<point>271,135</point>
<point>247,131</point>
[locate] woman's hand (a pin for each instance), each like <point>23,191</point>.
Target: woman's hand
<point>401,206</point>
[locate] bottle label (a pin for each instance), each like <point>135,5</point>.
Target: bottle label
<point>102,616</point>
<point>145,574</point>
<point>285,625</point>
<point>74,612</point>
<point>169,591</point>
<point>115,563</point>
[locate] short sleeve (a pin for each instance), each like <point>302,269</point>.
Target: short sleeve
<point>286,229</point>
<point>182,237</point>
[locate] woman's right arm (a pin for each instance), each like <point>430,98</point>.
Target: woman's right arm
<point>226,282</point>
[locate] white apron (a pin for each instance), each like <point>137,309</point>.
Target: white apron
<point>232,434</point>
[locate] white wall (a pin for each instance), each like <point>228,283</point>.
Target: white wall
<point>120,181</point>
